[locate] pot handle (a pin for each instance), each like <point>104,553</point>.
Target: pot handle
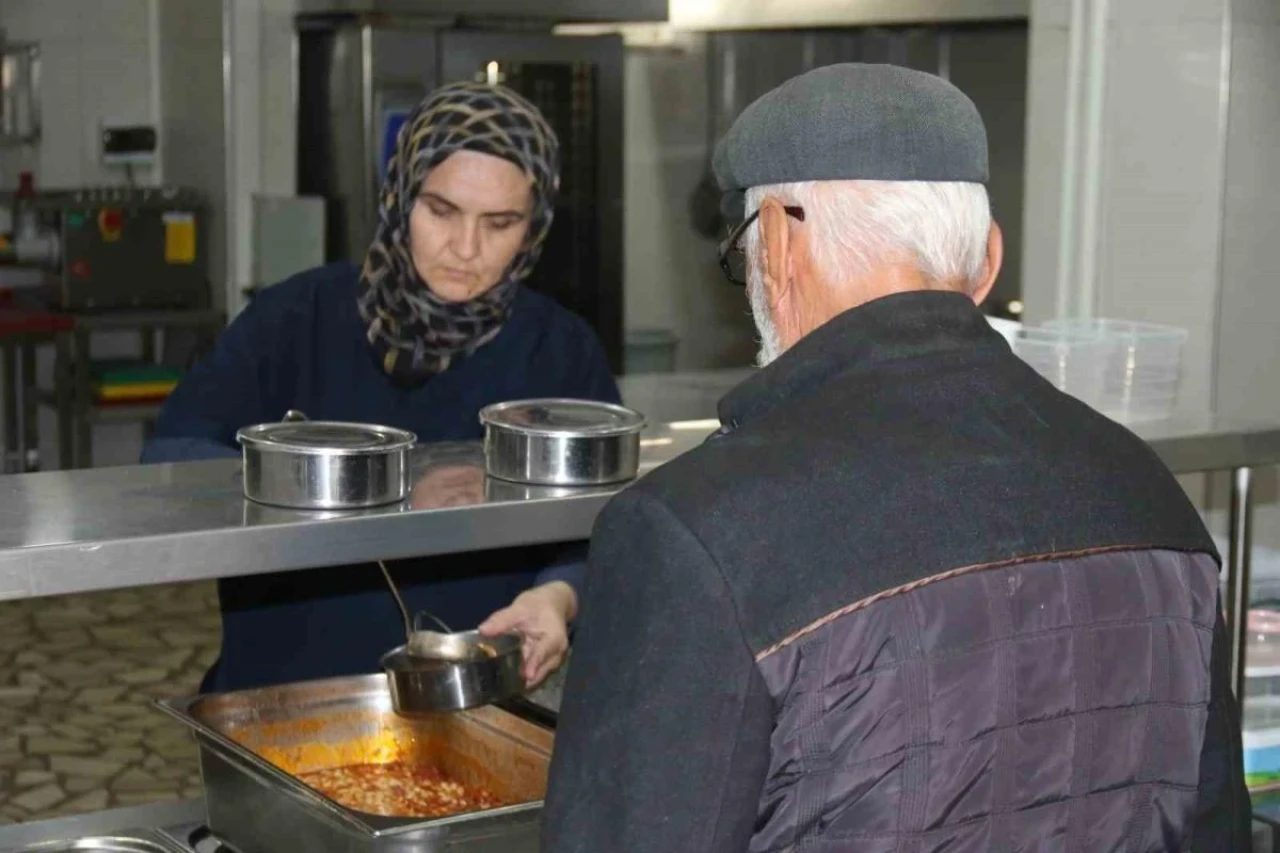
<point>293,416</point>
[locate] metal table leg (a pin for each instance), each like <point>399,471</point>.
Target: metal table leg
<point>30,408</point>
<point>1239,562</point>
<point>62,382</point>
<point>12,456</point>
<point>148,336</point>
<point>83,400</point>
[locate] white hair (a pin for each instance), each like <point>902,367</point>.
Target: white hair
<point>942,228</point>
<point>770,342</point>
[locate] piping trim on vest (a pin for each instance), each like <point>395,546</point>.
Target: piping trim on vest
<point>942,576</point>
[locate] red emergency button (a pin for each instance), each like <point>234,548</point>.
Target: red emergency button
<point>110,223</point>
<point>80,269</point>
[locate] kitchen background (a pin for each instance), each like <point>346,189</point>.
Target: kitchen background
<point>1133,170</point>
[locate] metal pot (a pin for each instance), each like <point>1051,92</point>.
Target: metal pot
<point>325,464</point>
<point>453,672</point>
<point>561,442</point>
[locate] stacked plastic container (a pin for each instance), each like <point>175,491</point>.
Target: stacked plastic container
<point>1127,370</point>
<point>1071,360</point>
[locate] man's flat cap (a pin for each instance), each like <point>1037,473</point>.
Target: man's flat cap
<point>852,122</point>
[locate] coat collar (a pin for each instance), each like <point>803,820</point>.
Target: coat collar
<point>890,329</point>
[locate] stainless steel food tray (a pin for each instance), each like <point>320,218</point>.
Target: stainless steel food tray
<point>252,742</point>
<point>140,841</point>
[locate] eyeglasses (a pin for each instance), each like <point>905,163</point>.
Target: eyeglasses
<point>732,261</point>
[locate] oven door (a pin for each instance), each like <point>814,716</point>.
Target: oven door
<point>577,83</point>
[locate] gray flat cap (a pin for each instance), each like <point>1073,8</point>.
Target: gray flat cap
<point>852,122</point>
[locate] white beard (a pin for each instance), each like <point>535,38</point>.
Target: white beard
<point>770,345</point>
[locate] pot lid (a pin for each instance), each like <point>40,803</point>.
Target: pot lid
<point>336,437</point>
<point>563,417</point>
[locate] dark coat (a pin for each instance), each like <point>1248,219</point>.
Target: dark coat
<point>302,345</point>
<point>911,598</point>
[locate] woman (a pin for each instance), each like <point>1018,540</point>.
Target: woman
<point>435,326</point>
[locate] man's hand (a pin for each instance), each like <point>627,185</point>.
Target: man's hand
<point>541,616</point>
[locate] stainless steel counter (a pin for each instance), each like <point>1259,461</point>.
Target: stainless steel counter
<point>1212,444</point>
<point>175,820</point>
<point>118,527</point>
<point>105,823</point>
<point>75,531</point>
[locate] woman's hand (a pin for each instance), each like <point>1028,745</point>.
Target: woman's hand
<point>541,616</point>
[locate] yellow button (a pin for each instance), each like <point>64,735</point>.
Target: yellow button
<point>179,238</point>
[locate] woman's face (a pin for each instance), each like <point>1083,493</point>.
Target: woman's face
<point>469,221</point>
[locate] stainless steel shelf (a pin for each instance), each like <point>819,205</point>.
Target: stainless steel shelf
<point>1187,445</point>
<point>115,822</point>
<point>1212,444</point>
<point>77,531</point>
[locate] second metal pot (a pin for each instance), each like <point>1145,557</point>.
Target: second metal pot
<point>325,464</point>
<point>561,442</point>
<point>453,672</point>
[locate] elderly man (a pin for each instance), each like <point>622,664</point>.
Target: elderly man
<point>909,597</point>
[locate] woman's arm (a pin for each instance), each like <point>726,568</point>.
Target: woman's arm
<point>566,563</point>
<point>185,450</point>
<point>236,384</point>
<point>594,379</point>
<point>541,616</point>
<point>543,613</point>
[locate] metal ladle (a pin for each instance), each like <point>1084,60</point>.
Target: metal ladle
<point>434,673</point>
<point>418,641</point>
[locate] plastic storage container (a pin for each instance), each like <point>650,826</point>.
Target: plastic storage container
<point>1142,366</point>
<point>1072,360</point>
<point>1008,329</point>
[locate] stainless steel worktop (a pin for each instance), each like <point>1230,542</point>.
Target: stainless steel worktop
<point>180,823</point>
<point>116,822</point>
<point>83,530</point>
<point>76,531</point>
<point>1212,444</point>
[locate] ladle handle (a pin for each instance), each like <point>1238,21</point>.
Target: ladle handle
<point>404,611</point>
<point>417,621</point>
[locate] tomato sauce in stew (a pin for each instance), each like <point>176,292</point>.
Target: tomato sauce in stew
<point>398,789</point>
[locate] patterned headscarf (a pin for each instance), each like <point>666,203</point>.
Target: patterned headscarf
<point>414,333</point>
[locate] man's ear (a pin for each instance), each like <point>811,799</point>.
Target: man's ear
<point>775,240</point>
<point>995,258</point>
